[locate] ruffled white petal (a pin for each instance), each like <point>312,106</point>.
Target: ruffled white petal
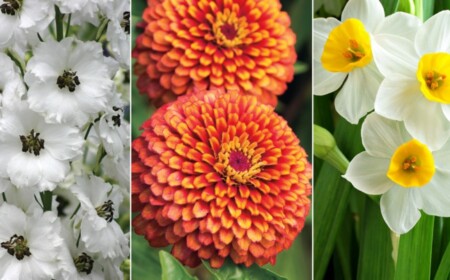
<point>395,97</point>
<point>399,210</point>
<point>370,12</point>
<point>357,96</point>
<point>381,137</point>
<point>325,81</point>
<point>368,174</point>
<point>395,55</point>
<point>434,35</point>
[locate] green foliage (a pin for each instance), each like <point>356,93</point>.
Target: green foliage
<point>231,271</point>
<point>172,269</point>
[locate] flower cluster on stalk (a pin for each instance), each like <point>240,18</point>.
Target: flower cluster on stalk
<point>216,173</point>
<point>64,139</point>
<point>398,67</point>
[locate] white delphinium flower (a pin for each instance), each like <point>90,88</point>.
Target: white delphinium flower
<point>30,246</point>
<point>26,199</point>
<point>23,15</point>
<point>99,204</point>
<point>79,263</point>
<point>118,169</point>
<point>118,31</point>
<point>35,153</point>
<point>112,129</point>
<point>69,81</point>
<point>410,175</point>
<point>416,87</point>
<point>83,10</point>
<point>11,84</point>
<point>344,53</point>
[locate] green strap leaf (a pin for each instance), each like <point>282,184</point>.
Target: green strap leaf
<point>414,253</point>
<point>424,8</point>
<point>145,260</point>
<point>172,269</point>
<point>390,6</point>
<point>232,271</point>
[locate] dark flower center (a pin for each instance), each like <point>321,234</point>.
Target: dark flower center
<point>229,31</point>
<point>125,23</point>
<point>10,7</point>
<point>17,246</point>
<point>32,143</point>
<point>116,118</point>
<point>84,263</point>
<point>68,79</point>
<point>239,161</point>
<point>106,211</point>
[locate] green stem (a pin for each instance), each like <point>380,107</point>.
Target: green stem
<point>100,155</point>
<point>15,57</point>
<point>102,29</point>
<point>68,25</point>
<point>76,210</point>
<point>88,130</point>
<point>418,5</point>
<point>4,197</point>
<point>46,198</point>
<point>59,24</point>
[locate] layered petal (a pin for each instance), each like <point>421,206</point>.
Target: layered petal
<point>371,13</point>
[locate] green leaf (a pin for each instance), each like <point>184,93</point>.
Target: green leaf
<point>331,195</point>
<point>424,9</point>
<point>172,269</point>
<point>390,6</point>
<point>300,67</point>
<point>232,271</point>
<point>145,260</point>
<point>440,5</point>
<point>414,253</point>
<point>375,255</point>
<point>407,6</point>
<point>443,271</point>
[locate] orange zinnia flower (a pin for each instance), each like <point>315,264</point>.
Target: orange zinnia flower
<point>191,45</point>
<point>219,175</point>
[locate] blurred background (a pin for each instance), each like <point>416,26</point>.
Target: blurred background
<point>294,105</point>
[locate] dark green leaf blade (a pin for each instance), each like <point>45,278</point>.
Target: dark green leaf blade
<point>232,271</point>
<point>390,6</point>
<point>172,269</point>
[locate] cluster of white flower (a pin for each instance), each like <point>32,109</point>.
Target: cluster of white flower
<point>398,67</point>
<point>64,141</point>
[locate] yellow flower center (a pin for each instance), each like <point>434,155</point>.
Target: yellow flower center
<point>432,74</point>
<point>347,47</point>
<point>412,165</point>
<point>239,160</point>
<point>229,30</point>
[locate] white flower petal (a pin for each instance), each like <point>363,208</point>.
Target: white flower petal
<point>442,156</point>
<point>357,96</point>
<point>322,29</point>
<point>368,174</point>
<point>25,170</point>
<point>400,24</point>
<point>325,81</point>
<point>434,36</point>
<point>434,198</point>
<point>395,97</point>
<point>426,122</point>
<point>381,137</point>
<point>446,110</point>
<point>370,12</point>
<point>399,210</point>
<point>395,55</point>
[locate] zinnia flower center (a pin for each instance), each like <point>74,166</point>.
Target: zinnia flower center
<point>32,143</point>
<point>432,73</point>
<point>106,211</point>
<point>125,23</point>
<point>412,165</point>
<point>68,79</point>
<point>17,246</point>
<point>10,7</point>
<point>347,47</point>
<point>84,263</point>
<point>229,30</point>
<point>239,160</point>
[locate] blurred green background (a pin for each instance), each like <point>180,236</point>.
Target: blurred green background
<point>294,106</point>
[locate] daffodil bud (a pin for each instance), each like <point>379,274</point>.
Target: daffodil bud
<point>325,148</point>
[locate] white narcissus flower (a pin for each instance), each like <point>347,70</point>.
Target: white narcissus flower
<point>30,246</point>
<point>118,31</point>
<point>416,88</point>
<point>35,153</point>
<point>410,175</point>
<point>344,54</point>
<point>23,15</point>
<point>69,81</point>
<point>100,202</point>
